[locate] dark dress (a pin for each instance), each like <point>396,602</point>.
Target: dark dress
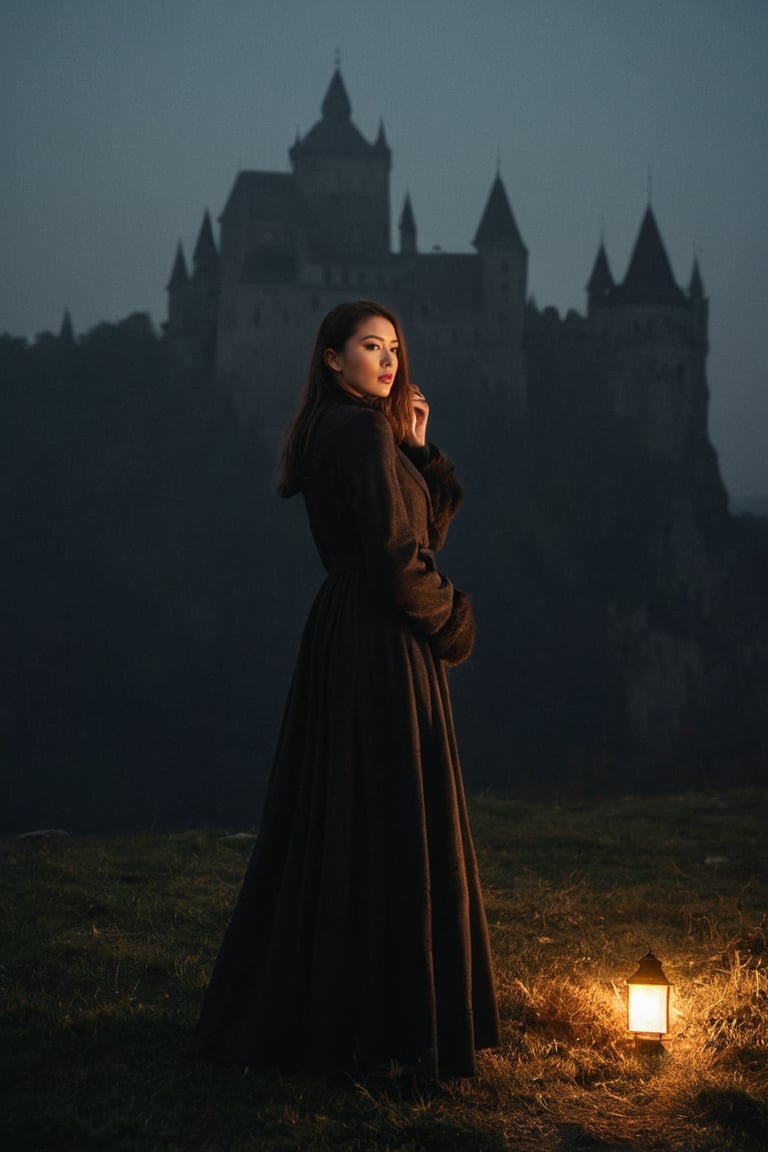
<point>359,936</point>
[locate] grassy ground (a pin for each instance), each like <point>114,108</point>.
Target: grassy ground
<point>107,944</point>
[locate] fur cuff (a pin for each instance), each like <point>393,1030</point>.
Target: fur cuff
<point>454,641</point>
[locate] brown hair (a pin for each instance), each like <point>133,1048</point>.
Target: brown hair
<point>322,388</point>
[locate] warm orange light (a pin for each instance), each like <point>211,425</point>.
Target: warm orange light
<point>648,999</point>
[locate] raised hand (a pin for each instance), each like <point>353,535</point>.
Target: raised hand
<point>418,434</point>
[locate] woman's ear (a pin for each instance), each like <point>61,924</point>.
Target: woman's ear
<point>332,360</point>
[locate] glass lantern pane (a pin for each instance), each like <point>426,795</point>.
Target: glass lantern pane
<point>647,1008</point>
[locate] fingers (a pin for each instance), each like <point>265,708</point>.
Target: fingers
<point>420,408</point>
<point>420,413</point>
<point>419,402</point>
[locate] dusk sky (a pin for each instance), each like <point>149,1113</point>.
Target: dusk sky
<point>121,122</point>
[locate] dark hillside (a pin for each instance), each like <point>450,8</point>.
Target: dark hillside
<point>154,595</point>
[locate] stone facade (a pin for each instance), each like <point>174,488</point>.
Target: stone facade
<point>293,244</point>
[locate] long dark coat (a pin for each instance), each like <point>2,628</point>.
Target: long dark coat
<point>359,936</point>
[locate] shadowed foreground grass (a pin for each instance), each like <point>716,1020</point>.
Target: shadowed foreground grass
<point>107,945</point>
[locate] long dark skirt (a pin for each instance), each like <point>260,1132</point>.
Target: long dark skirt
<point>359,936</point>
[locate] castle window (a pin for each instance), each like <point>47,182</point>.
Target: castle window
<point>345,276</point>
<point>425,311</point>
<point>326,275</point>
<point>314,303</point>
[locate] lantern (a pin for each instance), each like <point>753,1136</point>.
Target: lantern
<point>648,1002</point>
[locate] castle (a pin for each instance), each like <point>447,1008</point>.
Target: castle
<point>295,243</point>
<point>616,590</point>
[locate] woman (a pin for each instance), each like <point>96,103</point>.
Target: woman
<point>359,937</point>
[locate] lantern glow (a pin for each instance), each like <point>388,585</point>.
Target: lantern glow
<point>648,999</point>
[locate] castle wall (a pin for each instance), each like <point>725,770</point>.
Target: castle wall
<point>346,200</point>
<point>655,361</point>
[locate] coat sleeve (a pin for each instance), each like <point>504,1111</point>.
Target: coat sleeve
<point>397,567</point>
<point>445,491</point>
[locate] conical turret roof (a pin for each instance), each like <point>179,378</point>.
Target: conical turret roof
<point>205,259</point>
<point>335,134</point>
<point>407,219</point>
<point>601,282</point>
<point>649,278</point>
<point>497,227</point>
<point>696,284</point>
<point>381,139</point>
<point>407,227</point>
<point>336,104</point>
<point>179,274</point>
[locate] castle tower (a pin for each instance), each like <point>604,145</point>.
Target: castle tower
<point>193,302</point>
<point>205,259</point>
<point>344,183</point>
<point>204,295</point>
<point>178,292</point>
<point>601,282</point>
<point>653,339</point>
<point>407,228</point>
<point>504,275</point>
<point>698,301</point>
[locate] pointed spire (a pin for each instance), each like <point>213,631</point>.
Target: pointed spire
<point>497,228</point>
<point>67,331</point>
<point>696,284</point>
<point>336,105</point>
<point>649,278</point>
<point>179,275</point>
<point>335,134</point>
<point>381,139</point>
<point>407,219</point>
<point>407,228</point>
<point>205,259</point>
<point>601,282</point>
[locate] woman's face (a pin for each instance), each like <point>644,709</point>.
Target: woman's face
<point>367,364</point>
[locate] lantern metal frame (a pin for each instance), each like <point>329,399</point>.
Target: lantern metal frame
<point>650,977</point>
